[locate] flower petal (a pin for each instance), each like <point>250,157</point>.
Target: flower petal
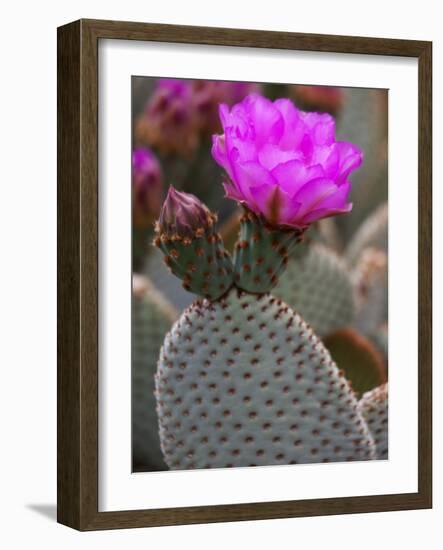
<point>328,157</point>
<point>320,213</point>
<point>232,192</point>
<point>266,119</point>
<point>261,196</point>
<point>274,204</point>
<point>271,155</point>
<point>294,174</point>
<point>219,153</point>
<point>313,192</point>
<point>245,149</point>
<point>351,158</point>
<point>224,114</point>
<point>251,174</point>
<point>338,199</point>
<point>294,127</point>
<point>336,203</point>
<point>322,127</point>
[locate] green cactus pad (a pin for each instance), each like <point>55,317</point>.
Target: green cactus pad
<point>317,285</point>
<point>374,408</point>
<point>201,261</point>
<point>363,121</point>
<point>261,253</point>
<point>361,361</point>
<point>152,317</point>
<point>243,381</point>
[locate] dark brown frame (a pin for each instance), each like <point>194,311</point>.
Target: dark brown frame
<point>78,284</point>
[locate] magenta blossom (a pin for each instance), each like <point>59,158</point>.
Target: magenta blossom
<point>284,164</point>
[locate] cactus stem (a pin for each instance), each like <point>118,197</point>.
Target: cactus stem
<point>258,245</point>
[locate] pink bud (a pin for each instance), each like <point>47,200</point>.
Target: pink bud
<point>183,214</point>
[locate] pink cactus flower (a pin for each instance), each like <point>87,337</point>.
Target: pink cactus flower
<point>283,164</point>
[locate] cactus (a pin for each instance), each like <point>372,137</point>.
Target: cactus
<point>242,380</point>
<point>152,317</point>
<point>373,232</point>
<point>318,285</point>
<point>316,281</point>
<point>374,408</point>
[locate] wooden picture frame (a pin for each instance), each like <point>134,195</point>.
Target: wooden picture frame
<point>78,273</point>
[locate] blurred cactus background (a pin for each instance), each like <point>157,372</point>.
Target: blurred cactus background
<point>336,280</point>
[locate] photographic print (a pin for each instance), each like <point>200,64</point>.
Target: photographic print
<point>259,274</point>
<point>224,312</point>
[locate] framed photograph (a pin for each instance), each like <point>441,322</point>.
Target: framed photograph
<point>244,269</point>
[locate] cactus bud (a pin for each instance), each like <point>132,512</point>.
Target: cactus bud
<point>184,215</point>
<point>194,252</point>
